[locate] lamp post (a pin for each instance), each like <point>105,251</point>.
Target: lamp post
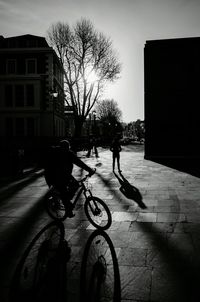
<point>94,121</point>
<point>54,95</point>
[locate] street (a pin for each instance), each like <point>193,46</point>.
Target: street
<point>155,229</point>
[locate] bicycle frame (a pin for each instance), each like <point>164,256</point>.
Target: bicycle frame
<point>95,209</point>
<point>87,192</point>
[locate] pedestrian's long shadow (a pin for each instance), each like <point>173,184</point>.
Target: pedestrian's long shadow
<point>108,184</point>
<point>129,191</point>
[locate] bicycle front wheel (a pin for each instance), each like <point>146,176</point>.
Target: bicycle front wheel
<point>98,213</point>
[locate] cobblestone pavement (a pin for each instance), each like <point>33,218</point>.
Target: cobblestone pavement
<point>155,229</point>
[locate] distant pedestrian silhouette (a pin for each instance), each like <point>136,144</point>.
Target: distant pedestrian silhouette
<point>115,148</point>
<point>92,146</point>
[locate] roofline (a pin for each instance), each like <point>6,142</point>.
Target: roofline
<point>35,36</point>
<point>173,40</point>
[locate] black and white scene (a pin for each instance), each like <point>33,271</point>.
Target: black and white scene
<point>99,151</point>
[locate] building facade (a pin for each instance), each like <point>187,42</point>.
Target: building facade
<point>31,92</point>
<point>171,80</point>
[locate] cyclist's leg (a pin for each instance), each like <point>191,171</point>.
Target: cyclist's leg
<point>73,185</point>
<point>65,196</point>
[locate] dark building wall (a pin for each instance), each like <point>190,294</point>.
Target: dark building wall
<point>30,118</point>
<point>172,95</point>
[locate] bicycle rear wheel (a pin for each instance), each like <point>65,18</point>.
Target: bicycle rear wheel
<point>98,213</point>
<point>100,278</point>
<point>38,275</point>
<point>55,207</point>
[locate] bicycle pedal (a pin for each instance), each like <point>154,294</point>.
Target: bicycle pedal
<point>70,215</point>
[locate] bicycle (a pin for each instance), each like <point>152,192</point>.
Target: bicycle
<point>95,208</point>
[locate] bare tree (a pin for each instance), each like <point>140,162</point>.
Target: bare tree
<point>89,62</point>
<point>110,115</point>
<point>108,110</point>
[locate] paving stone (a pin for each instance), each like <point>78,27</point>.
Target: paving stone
<point>124,216</point>
<point>147,217</point>
<point>132,257</point>
<point>136,226</point>
<point>135,283</point>
<point>171,217</point>
<point>119,238</point>
<point>146,240</point>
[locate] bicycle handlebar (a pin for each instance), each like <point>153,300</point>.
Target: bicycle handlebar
<point>86,176</point>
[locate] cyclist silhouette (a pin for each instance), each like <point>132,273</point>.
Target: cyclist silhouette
<point>58,172</point>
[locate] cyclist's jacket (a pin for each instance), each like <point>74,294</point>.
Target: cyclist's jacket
<point>59,165</point>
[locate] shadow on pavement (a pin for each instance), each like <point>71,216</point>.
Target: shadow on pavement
<point>43,272</point>
<point>15,236</point>
<point>40,274</point>
<point>13,187</point>
<point>190,166</point>
<point>182,284</point>
<point>100,278</point>
<point>130,191</point>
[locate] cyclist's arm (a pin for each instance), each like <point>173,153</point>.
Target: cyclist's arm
<point>77,161</point>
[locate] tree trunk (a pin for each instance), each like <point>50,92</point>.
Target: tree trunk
<point>78,126</point>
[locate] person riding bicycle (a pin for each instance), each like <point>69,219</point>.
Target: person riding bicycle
<point>58,172</point>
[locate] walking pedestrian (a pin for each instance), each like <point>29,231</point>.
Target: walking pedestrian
<point>92,146</point>
<point>115,148</point>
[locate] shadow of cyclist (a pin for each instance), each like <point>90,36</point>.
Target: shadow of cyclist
<point>129,191</point>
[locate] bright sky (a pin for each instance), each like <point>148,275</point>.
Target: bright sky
<point>129,23</point>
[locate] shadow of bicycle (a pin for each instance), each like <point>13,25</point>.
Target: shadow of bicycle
<point>40,274</point>
<point>100,278</point>
<point>47,267</point>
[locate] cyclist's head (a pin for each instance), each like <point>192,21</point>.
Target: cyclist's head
<point>65,144</point>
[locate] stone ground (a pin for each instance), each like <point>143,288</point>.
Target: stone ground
<point>155,229</point>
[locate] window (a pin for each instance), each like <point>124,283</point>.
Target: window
<point>9,126</point>
<point>31,66</point>
<point>19,95</point>
<point>19,126</point>
<point>30,126</point>
<point>30,95</point>
<point>11,66</point>
<point>8,95</point>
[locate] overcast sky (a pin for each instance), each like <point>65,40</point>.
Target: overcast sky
<point>129,23</point>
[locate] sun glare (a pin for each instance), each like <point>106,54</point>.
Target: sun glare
<point>92,77</point>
